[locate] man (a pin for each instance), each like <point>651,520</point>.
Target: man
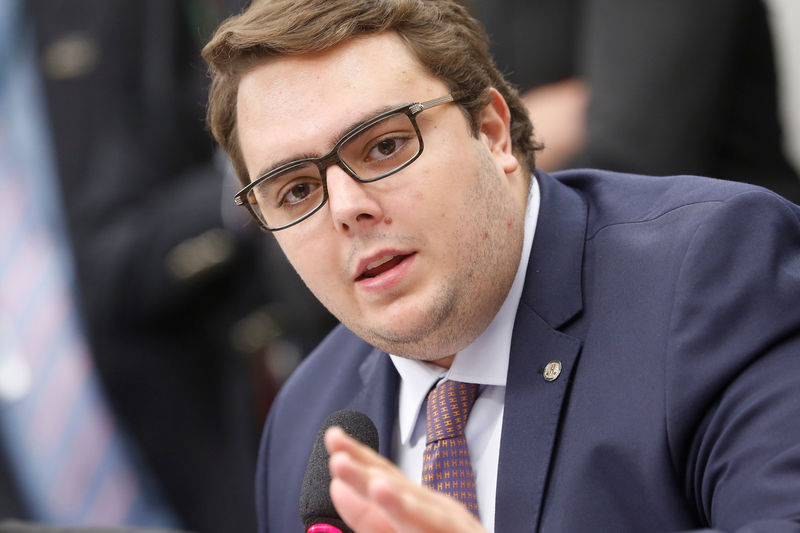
<point>635,339</point>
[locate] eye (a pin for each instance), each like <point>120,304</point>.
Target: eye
<point>387,147</point>
<point>298,191</point>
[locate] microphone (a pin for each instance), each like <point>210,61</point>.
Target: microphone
<point>316,508</point>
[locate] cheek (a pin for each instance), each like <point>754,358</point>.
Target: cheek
<point>308,257</point>
<point>434,193</point>
<point>317,267</point>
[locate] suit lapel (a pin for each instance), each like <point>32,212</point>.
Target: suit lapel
<point>530,421</point>
<point>552,297</point>
<point>378,397</point>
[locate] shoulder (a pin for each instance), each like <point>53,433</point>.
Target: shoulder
<point>333,365</point>
<point>616,198</point>
<point>326,381</point>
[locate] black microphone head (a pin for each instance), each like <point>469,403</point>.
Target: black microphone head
<point>316,506</point>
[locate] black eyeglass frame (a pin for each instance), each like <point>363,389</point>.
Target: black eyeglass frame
<point>332,158</point>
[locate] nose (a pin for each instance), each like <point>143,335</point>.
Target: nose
<point>353,205</point>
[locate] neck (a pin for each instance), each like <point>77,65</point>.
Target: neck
<point>444,362</point>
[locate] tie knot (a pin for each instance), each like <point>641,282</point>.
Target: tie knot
<point>448,407</point>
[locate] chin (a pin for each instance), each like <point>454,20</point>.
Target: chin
<point>440,330</point>
<point>394,339</point>
<point>427,341</point>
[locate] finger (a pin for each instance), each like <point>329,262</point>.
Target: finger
<point>359,468</point>
<point>350,464</point>
<point>372,495</point>
<point>355,463</point>
<point>358,512</point>
<point>412,508</point>
<point>345,468</point>
<point>337,440</point>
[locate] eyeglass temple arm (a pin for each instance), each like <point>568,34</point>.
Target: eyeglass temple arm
<point>417,108</point>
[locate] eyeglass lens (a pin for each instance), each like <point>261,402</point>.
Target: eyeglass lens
<point>370,154</point>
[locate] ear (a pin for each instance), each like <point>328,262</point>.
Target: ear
<point>495,131</point>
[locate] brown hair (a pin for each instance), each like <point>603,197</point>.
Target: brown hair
<point>451,44</point>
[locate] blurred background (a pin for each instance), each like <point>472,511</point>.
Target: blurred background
<point>191,316</point>
<point>784,15</point>
<point>186,315</point>
<point>679,87</point>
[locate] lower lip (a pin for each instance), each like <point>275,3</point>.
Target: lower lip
<point>388,279</point>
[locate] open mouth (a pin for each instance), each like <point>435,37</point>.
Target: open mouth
<point>384,264</point>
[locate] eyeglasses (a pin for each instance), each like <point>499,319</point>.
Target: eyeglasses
<point>375,149</point>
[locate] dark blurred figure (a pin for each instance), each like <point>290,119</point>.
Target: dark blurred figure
<point>21,527</point>
<point>179,309</point>
<point>646,86</point>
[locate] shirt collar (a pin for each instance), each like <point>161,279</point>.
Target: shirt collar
<point>471,365</point>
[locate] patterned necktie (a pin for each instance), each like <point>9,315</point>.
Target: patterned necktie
<point>447,467</point>
<point>71,463</point>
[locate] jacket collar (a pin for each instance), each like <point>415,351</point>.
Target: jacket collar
<point>378,396</point>
<point>553,287</point>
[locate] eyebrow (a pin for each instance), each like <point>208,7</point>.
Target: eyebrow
<point>365,117</point>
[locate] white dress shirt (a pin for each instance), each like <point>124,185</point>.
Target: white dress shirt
<point>485,362</point>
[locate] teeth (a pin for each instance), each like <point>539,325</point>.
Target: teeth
<point>379,262</point>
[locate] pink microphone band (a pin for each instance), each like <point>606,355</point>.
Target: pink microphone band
<point>323,528</point>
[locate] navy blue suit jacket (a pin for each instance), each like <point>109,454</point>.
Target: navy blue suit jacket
<point>673,305</point>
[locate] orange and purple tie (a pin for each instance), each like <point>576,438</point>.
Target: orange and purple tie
<point>447,467</point>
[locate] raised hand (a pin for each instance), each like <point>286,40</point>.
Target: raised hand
<point>373,496</point>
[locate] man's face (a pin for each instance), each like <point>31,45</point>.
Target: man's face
<point>417,263</point>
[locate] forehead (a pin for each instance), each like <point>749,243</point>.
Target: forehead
<point>295,106</point>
